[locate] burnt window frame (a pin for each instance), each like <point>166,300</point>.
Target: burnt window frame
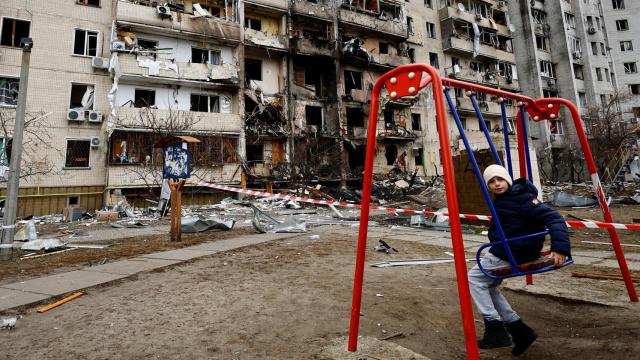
<point>347,81</point>
<point>67,164</point>
<point>253,73</point>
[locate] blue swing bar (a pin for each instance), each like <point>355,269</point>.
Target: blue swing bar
<point>504,241</point>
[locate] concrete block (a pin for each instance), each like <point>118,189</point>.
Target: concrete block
<point>10,298</point>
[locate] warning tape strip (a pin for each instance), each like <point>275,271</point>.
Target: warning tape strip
<point>570,223</point>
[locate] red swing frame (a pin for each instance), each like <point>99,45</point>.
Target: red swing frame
<point>407,80</point>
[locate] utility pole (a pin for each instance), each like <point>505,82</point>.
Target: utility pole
<point>11,200</point>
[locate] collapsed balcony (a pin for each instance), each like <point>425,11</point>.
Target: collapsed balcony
<point>264,117</point>
<point>312,38</point>
<point>384,17</point>
<point>318,9</point>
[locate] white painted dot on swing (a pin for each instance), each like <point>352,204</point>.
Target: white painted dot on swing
<point>553,116</point>
<point>393,80</point>
<point>412,75</point>
<point>393,94</point>
<point>550,106</point>
<point>500,100</point>
<point>412,90</point>
<point>468,92</point>
<point>520,103</point>
<point>536,118</point>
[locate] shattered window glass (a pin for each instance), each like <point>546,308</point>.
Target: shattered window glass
<point>12,31</point>
<point>85,43</point>
<point>9,91</point>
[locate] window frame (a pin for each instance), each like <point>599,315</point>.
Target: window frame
<point>2,21</point>
<point>619,25</point>
<point>630,67</point>
<point>72,83</point>
<point>18,81</point>
<point>624,48</point>
<point>618,4</point>
<point>86,43</point>
<point>209,103</point>
<point>135,89</point>
<point>66,153</point>
<point>86,3</point>
<point>258,61</point>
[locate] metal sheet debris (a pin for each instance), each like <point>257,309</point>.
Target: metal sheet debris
<point>195,224</point>
<point>88,246</point>
<point>43,244</point>
<point>8,322</point>
<point>564,199</point>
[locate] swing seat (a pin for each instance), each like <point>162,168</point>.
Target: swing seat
<point>539,263</point>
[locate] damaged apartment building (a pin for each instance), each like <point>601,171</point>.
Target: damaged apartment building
<point>275,91</point>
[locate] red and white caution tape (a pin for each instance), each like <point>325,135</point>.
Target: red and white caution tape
<point>263,194</point>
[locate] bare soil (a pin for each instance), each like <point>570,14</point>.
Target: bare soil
<point>289,299</point>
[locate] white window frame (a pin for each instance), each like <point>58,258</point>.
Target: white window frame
<point>559,128</point>
<point>209,96</point>
<point>570,20</point>
<point>66,146</point>
<point>431,30</point>
<point>549,69</point>
<point>576,44</point>
<point>209,55</point>
<point>620,22</point>
<point>10,77</point>
<point>624,47</point>
<point>86,42</point>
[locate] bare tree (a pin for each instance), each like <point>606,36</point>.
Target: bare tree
<point>151,125</point>
<point>37,147</point>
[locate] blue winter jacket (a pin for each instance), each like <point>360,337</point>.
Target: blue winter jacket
<point>521,213</point>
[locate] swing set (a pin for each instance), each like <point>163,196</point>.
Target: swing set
<point>408,80</point>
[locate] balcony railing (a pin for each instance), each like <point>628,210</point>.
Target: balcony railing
<point>129,117</point>
<point>463,45</point>
<point>261,38</point>
<point>452,12</point>
<point>321,9</point>
<point>132,64</point>
<point>147,17</point>
<point>371,22</point>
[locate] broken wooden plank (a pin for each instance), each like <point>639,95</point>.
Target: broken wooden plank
<point>600,276</point>
<point>58,303</point>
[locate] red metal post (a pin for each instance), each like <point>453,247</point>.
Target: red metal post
<point>588,157</point>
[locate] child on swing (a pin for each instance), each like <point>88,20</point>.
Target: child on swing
<point>520,213</point>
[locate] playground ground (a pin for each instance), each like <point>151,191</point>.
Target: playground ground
<point>291,299</point>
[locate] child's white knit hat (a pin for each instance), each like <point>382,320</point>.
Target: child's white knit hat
<point>496,170</point>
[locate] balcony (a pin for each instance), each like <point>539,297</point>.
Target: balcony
<point>465,46</point>
<point>323,10</point>
<point>134,66</point>
<point>388,60</point>
<point>507,56</point>
<point>147,18</point>
<point>273,4</point>
<point>486,107</point>
<point>263,39</point>
<point>131,176</point>
<point>452,12</point>
<point>481,78</point>
<point>304,46</point>
<point>128,117</point>
<point>370,22</point>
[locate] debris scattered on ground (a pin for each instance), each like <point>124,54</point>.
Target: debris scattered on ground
<point>564,199</point>
<point>58,303</point>
<point>43,244</point>
<point>198,224</point>
<point>384,247</point>
<point>88,246</point>
<point>9,322</point>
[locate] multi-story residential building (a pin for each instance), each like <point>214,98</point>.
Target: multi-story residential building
<point>624,38</point>
<point>276,91</point>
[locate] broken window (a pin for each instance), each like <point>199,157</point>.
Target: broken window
<point>431,30</point>
<point>13,30</point>
<point>428,3</point>
<point>411,52</point>
<point>252,23</point>
<point>85,43</point>
<point>205,56</point>
<point>313,115</point>
<point>148,47</point>
<point>252,69</point>
<point>630,68</point>
<point>82,96</point>
<point>390,153</point>
<point>205,103</point>
<point>214,150</point>
<point>88,2</point>
<point>5,151</point>
<point>618,4</point>
<point>416,122</point>
<point>433,60</point>
<point>542,43</point>
<point>255,153</point>
<point>599,74</point>
<point>622,25</point>
<point>355,117</point>
<point>626,45</point>
<point>410,25</point>
<point>547,69</point>
<point>9,91</point>
<point>77,154</point>
<point>313,77</point>
<point>417,156</point>
<point>73,200</point>
<point>352,80</point>
<point>144,98</point>
<point>634,89</point>
<point>384,47</point>
<point>389,123</point>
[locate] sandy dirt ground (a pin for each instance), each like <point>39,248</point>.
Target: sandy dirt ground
<point>291,299</point>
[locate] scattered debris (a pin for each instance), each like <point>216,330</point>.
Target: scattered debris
<point>384,247</point>
<point>87,246</point>
<point>199,223</point>
<point>9,322</point>
<point>390,263</point>
<point>564,199</point>
<point>43,244</point>
<point>58,303</point>
<point>601,276</point>
<point>314,237</point>
<point>393,336</point>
